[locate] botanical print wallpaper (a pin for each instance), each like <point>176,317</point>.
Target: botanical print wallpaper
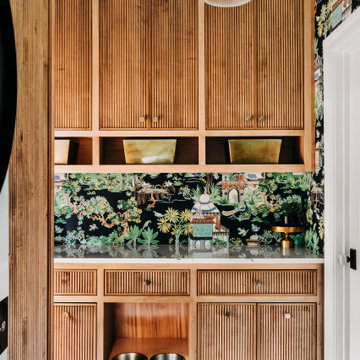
<point>199,210</point>
<point>131,209</point>
<point>329,14</point>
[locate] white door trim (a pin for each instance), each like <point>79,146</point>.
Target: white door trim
<point>336,108</point>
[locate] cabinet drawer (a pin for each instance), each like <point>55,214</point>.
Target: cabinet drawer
<point>147,282</point>
<point>75,282</point>
<point>257,282</point>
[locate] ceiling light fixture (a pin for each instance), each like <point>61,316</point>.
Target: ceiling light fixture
<point>226,3</point>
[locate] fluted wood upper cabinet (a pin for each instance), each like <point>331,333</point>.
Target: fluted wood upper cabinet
<point>148,64</point>
<point>123,63</point>
<point>229,54</point>
<point>174,62</point>
<point>72,64</point>
<point>255,65</point>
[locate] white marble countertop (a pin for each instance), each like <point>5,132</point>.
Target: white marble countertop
<point>168,254</point>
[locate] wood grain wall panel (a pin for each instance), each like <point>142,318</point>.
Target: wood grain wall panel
<point>72,64</point>
<point>227,331</point>
<point>148,282</point>
<point>257,282</point>
<point>75,332</point>
<point>30,192</point>
<point>75,282</point>
<point>152,320</point>
<point>123,27</point>
<point>229,53</point>
<point>280,64</point>
<point>174,62</point>
<point>286,332</point>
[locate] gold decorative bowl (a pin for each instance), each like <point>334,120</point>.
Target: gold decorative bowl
<point>255,151</point>
<point>154,151</point>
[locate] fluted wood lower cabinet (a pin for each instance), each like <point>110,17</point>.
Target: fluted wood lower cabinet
<point>286,332</point>
<point>75,332</point>
<point>202,311</point>
<point>227,331</point>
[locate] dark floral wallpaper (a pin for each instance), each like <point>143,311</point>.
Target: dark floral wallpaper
<point>201,210</point>
<point>196,209</point>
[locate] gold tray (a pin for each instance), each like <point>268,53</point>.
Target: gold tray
<point>154,151</point>
<point>255,151</point>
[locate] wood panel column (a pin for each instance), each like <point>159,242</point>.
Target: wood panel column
<point>30,192</point>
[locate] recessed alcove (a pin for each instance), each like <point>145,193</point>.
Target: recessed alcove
<point>146,328</point>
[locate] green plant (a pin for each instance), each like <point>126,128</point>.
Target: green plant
<point>149,237</point>
<point>134,234</point>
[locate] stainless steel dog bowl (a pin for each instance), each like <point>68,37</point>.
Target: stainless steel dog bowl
<point>130,356</point>
<point>167,357</point>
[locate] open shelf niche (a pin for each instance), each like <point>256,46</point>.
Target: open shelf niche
<point>196,151</point>
<point>146,328</point>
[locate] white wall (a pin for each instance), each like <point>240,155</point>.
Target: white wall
<point>4,246</point>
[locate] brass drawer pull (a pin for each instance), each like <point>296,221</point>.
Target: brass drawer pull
<point>66,315</point>
<point>142,119</point>
<point>258,283</point>
<point>227,314</point>
<point>249,118</point>
<point>155,119</point>
<point>287,316</point>
<point>148,282</point>
<point>262,118</point>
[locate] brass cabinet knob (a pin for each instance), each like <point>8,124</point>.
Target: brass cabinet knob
<point>66,315</point>
<point>148,282</point>
<point>249,118</point>
<point>155,119</point>
<point>262,118</point>
<point>287,316</point>
<point>227,314</point>
<point>258,283</point>
<point>142,119</point>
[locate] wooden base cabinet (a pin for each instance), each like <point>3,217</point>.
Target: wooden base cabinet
<point>74,332</point>
<point>227,331</point>
<point>201,311</point>
<point>286,332</point>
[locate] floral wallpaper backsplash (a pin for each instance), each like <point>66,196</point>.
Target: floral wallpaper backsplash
<point>201,209</point>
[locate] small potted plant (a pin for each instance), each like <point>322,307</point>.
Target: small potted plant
<point>290,213</point>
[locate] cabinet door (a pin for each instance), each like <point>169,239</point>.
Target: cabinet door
<point>227,331</point>
<point>280,64</point>
<point>72,65</point>
<point>174,61</point>
<point>75,332</point>
<point>123,59</point>
<point>229,53</point>
<point>286,332</point>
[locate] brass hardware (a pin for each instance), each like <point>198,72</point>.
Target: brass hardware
<point>287,316</point>
<point>258,283</point>
<point>66,315</point>
<point>147,282</point>
<point>155,119</point>
<point>249,118</point>
<point>262,118</point>
<point>142,119</point>
<point>227,314</point>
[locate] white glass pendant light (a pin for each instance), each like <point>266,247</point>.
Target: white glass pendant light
<point>226,3</point>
